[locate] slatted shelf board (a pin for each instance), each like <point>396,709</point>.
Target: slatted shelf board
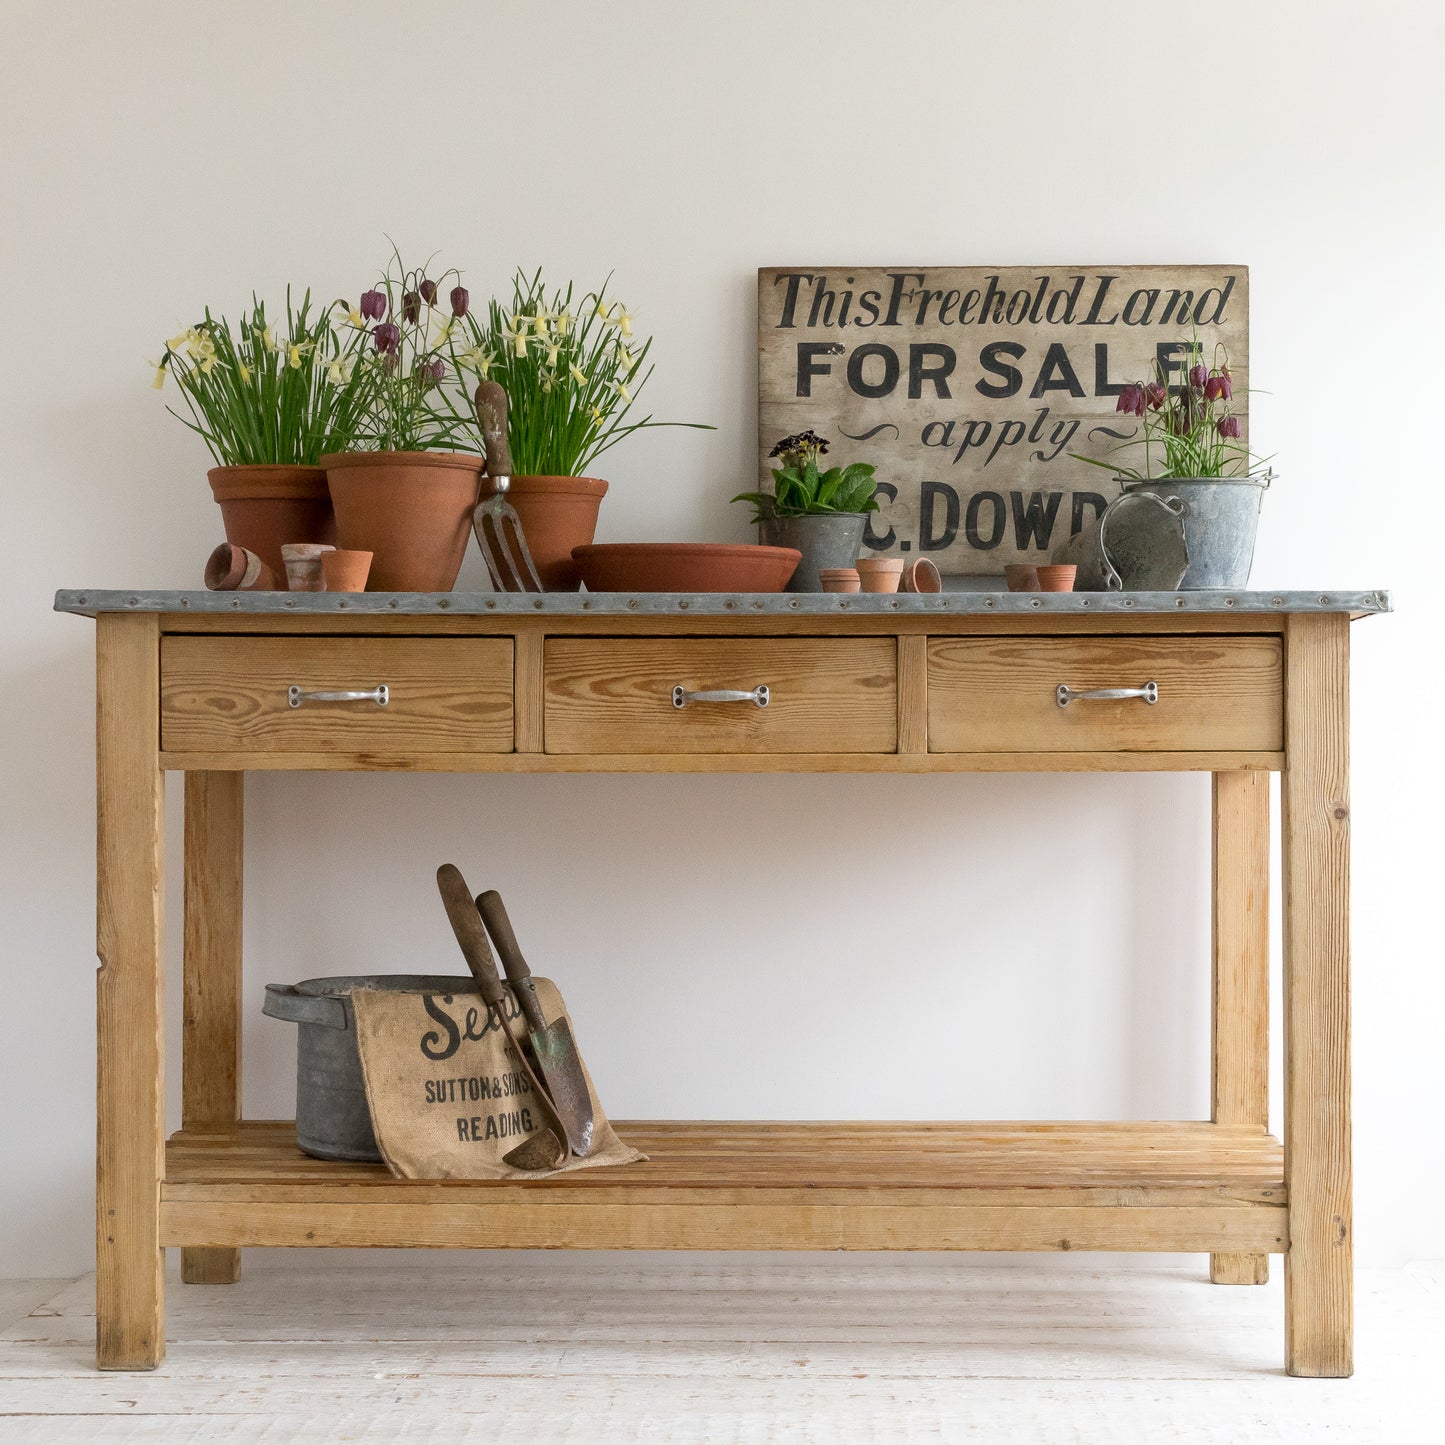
<point>1186,1187</point>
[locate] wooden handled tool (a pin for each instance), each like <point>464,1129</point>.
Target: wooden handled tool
<point>553,1046</point>
<point>472,937</point>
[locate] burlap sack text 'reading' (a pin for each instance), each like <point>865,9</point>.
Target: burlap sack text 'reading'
<point>448,1098</point>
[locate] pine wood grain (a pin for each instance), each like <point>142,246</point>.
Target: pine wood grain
<point>1319,1270</point>
<point>1239,1073</point>
<point>211,1037</point>
<point>614,695</point>
<point>998,694</point>
<point>529,703</point>
<point>448,695</point>
<point>913,695</point>
<point>130,1057</point>
<point>710,1185</point>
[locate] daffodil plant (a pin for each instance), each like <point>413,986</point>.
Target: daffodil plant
<point>413,396</point>
<point>256,396</point>
<point>571,370</point>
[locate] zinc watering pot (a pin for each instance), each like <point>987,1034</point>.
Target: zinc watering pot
<point>332,1117</point>
<point>1221,516</point>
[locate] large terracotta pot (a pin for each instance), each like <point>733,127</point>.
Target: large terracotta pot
<point>558,514</point>
<point>264,507</point>
<point>411,510</point>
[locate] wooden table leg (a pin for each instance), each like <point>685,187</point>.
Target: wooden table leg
<point>1239,1074</point>
<point>1318,1273</point>
<point>130,1057</point>
<point>211,1043</point>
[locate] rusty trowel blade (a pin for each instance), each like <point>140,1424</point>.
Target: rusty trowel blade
<point>561,1068</point>
<point>553,1047</point>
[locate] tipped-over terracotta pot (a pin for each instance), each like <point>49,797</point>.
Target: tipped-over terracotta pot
<point>265,506</point>
<point>411,510</point>
<point>558,514</point>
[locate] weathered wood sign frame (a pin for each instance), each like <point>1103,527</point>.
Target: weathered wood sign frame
<point>972,389</point>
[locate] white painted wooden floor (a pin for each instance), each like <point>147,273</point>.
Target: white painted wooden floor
<point>573,1349</point>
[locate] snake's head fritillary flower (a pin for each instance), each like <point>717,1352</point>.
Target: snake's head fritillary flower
<point>373,305</point>
<point>436,370</point>
<point>460,301</point>
<point>1131,400</point>
<point>428,290</point>
<point>1219,387</point>
<point>386,336</point>
<point>410,306</point>
<point>1155,395</point>
<point>1228,426</point>
<point>1198,374</point>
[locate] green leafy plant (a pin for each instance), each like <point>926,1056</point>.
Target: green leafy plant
<point>255,397</point>
<point>1190,427</point>
<point>801,490</point>
<point>412,397</point>
<point>571,375</point>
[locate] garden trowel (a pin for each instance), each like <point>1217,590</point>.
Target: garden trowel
<point>553,1047</point>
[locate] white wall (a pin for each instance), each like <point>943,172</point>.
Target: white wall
<point>744,946</point>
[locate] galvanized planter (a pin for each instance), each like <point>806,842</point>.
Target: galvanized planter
<point>826,539</point>
<point>332,1117</point>
<point>1221,516</point>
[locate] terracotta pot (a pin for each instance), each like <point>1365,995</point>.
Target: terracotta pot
<point>685,567</point>
<point>411,510</point>
<point>558,514</point>
<point>303,566</point>
<point>921,575</point>
<point>1059,577</point>
<point>345,571</point>
<point>839,579</point>
<point>234,569</point>
<point>264,506</point>
<point>1022,577</point>
<point>880,574</point>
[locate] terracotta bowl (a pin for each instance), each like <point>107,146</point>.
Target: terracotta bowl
<point>685,567</point>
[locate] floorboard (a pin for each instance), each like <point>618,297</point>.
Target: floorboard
<point>534,1347</point>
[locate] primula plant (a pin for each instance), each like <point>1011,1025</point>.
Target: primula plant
<point>412,397</point>
<point>571,374</point>
<point>802,490</point>
<point>1190,428</point>
<point>256,397</point>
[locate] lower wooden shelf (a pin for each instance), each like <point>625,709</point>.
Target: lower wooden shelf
<point>1186,1187</point>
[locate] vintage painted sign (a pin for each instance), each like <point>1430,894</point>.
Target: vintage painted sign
<point>973,389</point>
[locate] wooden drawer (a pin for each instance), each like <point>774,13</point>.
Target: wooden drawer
<point>610,695</point>
<point>992,695</point>
<point>223,694</point>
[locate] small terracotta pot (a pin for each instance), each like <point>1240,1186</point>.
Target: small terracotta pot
<point>411,510</point>
<point>921,575</point>
<point>303,565</point>
<point>880,574</point>
<point>840,579</point>
<point>1058,577</point>
<point>558,514</point>
<point>1022,577</point>
<point>264,506</point>
<point>234,569</point>
<point>345,571</point>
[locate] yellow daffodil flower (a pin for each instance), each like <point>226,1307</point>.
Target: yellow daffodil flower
<point>603,309</point>
<point>205,364</point>
<point>622,391</point>
<point>625,360</point>
<point>338,372</point>
<point>159,380</point>
<point>542,320</point>
<point>443,335</point>
<point>552,349</point>
<point>564,322</point>
<point>578,375</point>
<point>356,320</point>
<point>546,384</point>
<point>596,414</point>
<point>623,321</point>
<point>245,373</point>
<point>517,337</point>
<point>267,337</point>
<point>179,340</point>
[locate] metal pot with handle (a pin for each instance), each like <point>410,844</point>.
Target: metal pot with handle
<point>333,1120</point>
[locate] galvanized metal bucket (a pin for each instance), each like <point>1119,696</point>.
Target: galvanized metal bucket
<point>1221,517</point>
<point>332,1117</point>
<point>826,539</point>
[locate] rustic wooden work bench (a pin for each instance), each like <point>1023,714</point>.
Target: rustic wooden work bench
<point>1238,685</point>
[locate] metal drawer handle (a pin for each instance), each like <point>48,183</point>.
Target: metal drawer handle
<point>759,695</point>
<point>379,695</point>
<point>1065,694</point>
